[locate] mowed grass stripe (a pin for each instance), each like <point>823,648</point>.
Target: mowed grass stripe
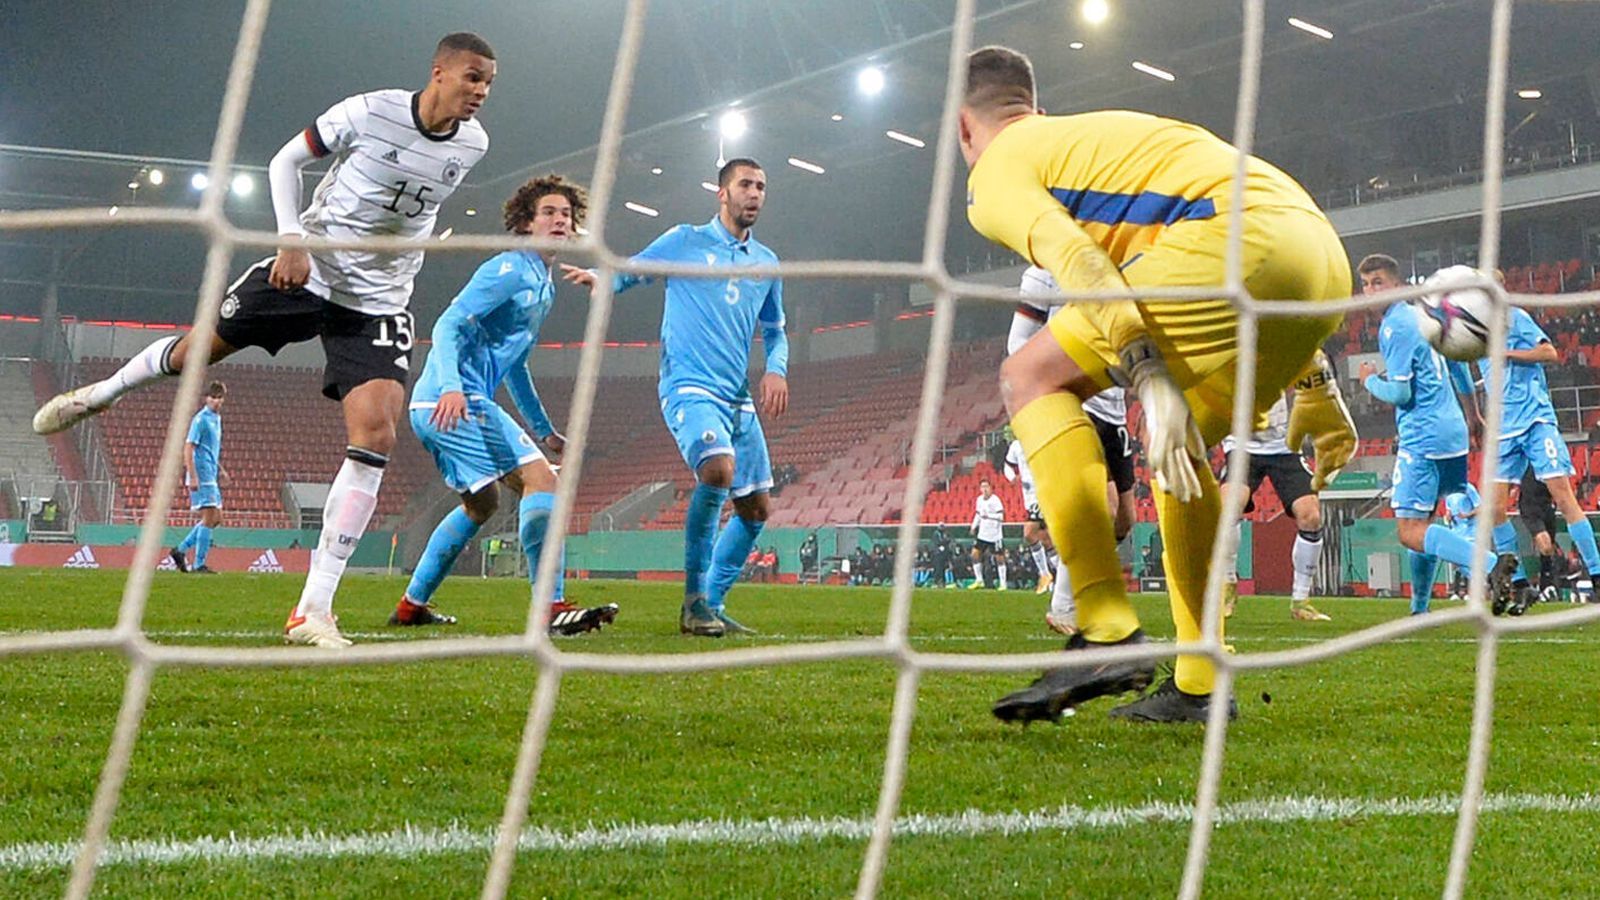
<point>414,840</point>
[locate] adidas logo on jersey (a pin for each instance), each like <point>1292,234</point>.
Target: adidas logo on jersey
<point>392,156</point>
<point>83,559</point>
<point>266,562</point>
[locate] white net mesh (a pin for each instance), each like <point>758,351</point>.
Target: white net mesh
<point>892,647</point>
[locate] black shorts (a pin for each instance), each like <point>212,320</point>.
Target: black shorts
<point>1119,453</point>
<point>359,347</point>
<point>1535,506</point>
<point>985,547</point>
<point>1035,516</point>
<point>1290,478</point>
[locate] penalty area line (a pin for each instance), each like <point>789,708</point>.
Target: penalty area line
<point>410,840</point>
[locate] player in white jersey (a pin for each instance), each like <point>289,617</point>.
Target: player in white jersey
<point>1108,413</point>
<point>1272,459</point>
<point>988,531</point>
<point>396,156</point>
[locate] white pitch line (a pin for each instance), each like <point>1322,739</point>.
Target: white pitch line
<point>222,634</point>
<point>410,840</point>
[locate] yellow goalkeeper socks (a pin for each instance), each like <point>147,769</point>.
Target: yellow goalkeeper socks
<point>1187,532</point>
<point>1069,469</point>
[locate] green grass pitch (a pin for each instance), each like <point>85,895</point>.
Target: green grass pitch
<point>786,761</point>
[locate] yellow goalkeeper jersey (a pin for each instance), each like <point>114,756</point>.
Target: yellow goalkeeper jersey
<point>1122,178</point>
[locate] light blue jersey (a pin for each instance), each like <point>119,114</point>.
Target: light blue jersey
<point>1460,507</point>
<point>708,323</point>
<point>482,339</point>
<point>1429,419</point>
<point>1527,393</point>
<point>205,433</point>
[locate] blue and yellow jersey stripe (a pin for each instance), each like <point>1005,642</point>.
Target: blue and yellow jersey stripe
<point>1123,177</point>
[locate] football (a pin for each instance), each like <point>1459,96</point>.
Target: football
<point>1454,315</point>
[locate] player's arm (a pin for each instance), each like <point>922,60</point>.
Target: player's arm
<point>520,383</point>
<point>1011,206</point>
<point>332,132</point>
<point>497,280</point>
<point>191,441</point>
<point>1319,412</point>
<point>775,383</point>
<point>1398,347</point>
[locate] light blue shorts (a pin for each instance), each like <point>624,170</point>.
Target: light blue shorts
<point>1419,482</point>
<point>205,495</point>
<point>481,449</point>
<point>1542,447</point>
<point>704,426</point>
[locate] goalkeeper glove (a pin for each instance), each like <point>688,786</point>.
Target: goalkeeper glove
<point>1320,414</point>
<point>1173,437</point>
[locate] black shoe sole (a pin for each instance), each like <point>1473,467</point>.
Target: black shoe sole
<point>1037,703</point>
<point>178,560</point>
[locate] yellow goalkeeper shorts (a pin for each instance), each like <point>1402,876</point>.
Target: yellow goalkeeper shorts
<point>1289,254</point>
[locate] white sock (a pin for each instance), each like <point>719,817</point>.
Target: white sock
<point>146,366</point>
<point>1041,559</point>
<point>351,500</point>
<point>1002,568</point>
<point>1306,554</point>
<point>1062,607</point>
<point>1231,566</point>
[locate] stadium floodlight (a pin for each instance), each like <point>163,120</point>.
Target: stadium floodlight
<point>155,177</point>
<point>655,170</point>
<point>133,185</point>
<point>1309,28</point>
<point>709,186</point>
<point>1075,45</point>
<point>1154,71</point>
<point>812,167</point>
<point>641,209</point>
<point>733,124</point>
<point>199,181</point>
<point>1530,93</point>
<point>471,212</point>
<point>837,117</point>
<point>242,185</point>
<point>445,234</point>
<point>905,138</point>
<point>870,81</point>
<point>1095,12</point>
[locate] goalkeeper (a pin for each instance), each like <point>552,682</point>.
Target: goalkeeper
<point>1108,200</point>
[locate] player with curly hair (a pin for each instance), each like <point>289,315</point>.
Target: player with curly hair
<point>481,341</point>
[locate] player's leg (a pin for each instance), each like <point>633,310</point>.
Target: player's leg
<point>1254,476</point>
<point>254,313</point>
<point>703,430</point>
<point>1042,384</point>
<point>535,482</point>
<point>751,491</point>
<point>210,518</point>
<point>1035,537</point>
<point>1292,481</point>
<point>368,364</point>
<point>1538,513</point>
<point>1578,527</point>
<point>750,512</point>
<point>463,458</point>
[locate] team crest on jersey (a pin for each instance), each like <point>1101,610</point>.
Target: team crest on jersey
<point>452,170</point>
<point>230,305</point>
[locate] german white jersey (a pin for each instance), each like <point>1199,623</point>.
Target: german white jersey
<point>388,177</point>
<point>1272,440</point>
<point>988,517</point>
<point>1110,405</point>
<point>1017,470</point>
